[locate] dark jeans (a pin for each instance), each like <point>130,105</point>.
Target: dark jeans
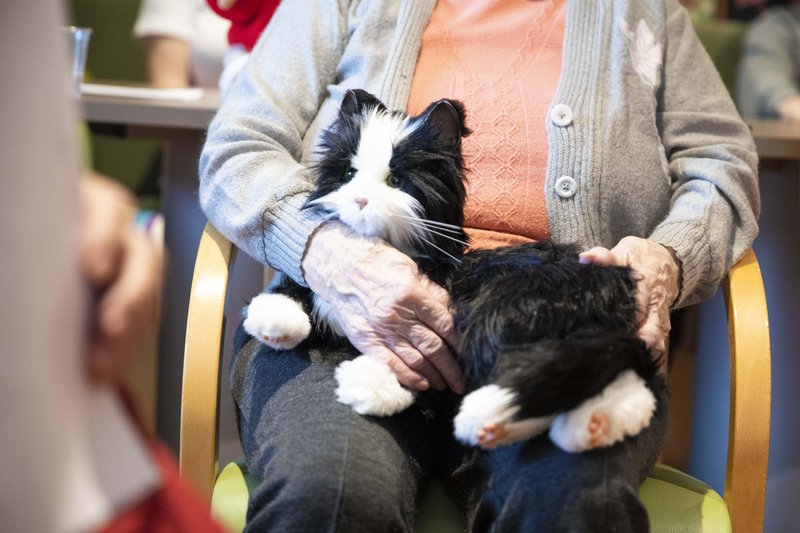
<point>326,468</point>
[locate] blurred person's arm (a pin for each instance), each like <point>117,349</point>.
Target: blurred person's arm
<point>168,61</point>
<point>769,68</point>
<point>789,108</point>
<point>166,28</point>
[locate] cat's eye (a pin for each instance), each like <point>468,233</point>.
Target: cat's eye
<point>392,181</point>
<point>350,173</point>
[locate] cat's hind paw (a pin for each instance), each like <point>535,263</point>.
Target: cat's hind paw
<point>370,387</point>
<point>623,409</point>
<point>277,321</point>
<point>482,414</point>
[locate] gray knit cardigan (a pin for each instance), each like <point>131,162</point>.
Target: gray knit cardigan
<point>654,144</point>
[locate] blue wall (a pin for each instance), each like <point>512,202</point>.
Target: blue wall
<point>779,257</point>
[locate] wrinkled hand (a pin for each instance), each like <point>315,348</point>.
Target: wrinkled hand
<point>124,268</point>
<point>657,286</point>
<point>789,108</point>
<point>387,308</point>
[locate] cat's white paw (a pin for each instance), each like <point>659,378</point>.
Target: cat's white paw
<point>623,409</point>
<point>277,321</point>
<point>483,414</point>
<point>370,387</point>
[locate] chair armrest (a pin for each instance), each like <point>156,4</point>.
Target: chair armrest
<point>748,436</point>
<point>204,332</point>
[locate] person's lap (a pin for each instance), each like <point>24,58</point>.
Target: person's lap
<point>324,467</point>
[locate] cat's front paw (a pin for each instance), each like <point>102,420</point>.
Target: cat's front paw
<point>277,321</point>
<point>623,409</point>
<point>371,388</point>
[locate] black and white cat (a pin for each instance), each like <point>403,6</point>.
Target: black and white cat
<point>546,343</point>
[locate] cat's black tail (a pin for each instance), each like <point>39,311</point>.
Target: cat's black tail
<point>553,376</point>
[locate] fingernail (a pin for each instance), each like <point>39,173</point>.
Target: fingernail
<point>584,259</point>
<point>424,385</point>
<point>458,387</point>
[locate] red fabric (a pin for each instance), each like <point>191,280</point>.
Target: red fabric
<point>248,19</point>
<point>173,508</point>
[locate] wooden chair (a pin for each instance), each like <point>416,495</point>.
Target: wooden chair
<point>674,500</point>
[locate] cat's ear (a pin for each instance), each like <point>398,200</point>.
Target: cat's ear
<point>355,100</point>
<point>449,118</point>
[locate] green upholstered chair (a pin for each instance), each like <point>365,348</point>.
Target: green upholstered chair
<point>675,501</point>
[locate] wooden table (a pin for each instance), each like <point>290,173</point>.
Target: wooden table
<point>776,139</point>
<point>182,127</point>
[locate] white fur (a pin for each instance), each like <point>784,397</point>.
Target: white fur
<point>324,314</point>
<point>277,321</point>
<point>488,404</point>
<point>370,387</point>
<point>626,401</point>
<point>382,216</point>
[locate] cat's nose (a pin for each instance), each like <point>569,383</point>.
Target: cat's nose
<point>361,202</point>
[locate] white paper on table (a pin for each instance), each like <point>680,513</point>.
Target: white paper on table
<point>183,94</point>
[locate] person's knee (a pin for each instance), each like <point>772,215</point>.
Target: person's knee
<point>322,496</point>
<point>612,506</point>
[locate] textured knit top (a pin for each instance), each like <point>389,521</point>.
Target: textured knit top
<point>643,138</point>
<point>502,59</point>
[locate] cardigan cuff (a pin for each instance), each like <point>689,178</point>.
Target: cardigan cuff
<point>287,234</point>
<point>689,244</point>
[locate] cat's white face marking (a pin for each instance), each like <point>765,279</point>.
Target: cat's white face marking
<point>368,202</point>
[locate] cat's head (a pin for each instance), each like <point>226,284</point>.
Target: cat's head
<point>394,176</point>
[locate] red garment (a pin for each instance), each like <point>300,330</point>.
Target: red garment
<point>173,508</point>
<point>248,19</point>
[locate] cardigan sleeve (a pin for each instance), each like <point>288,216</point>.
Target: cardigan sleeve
<point>252,182</point>
<point>767,72</point>
<point>712,163</point>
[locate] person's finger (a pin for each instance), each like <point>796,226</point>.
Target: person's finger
<point>407,377</point>
<point>439,355</point>
<point>416,360</point>
<point>132,299</point>
<point>434,311</point>
<point>599,256</point>
<point>100,249</point>
<point>225,4</point>
<point>128,307</point>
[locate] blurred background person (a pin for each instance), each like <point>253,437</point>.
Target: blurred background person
<point>248,19</point>
<point>769,73</point>
<point>185,42</point>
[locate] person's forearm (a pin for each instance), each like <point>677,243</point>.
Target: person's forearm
<point>168,61</point>
<point>253,176</point>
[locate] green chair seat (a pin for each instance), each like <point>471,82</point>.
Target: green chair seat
<point>675,502</point>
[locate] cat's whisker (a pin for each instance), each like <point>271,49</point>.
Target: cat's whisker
<point>422,223</point>
<point>441,225</point>
<point>448,254</point>
<point>431,230</point>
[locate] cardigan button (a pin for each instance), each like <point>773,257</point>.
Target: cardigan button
<point>561,115</point>
<point>566,187</point>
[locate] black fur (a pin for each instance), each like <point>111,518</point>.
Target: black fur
<point>532,318</point>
